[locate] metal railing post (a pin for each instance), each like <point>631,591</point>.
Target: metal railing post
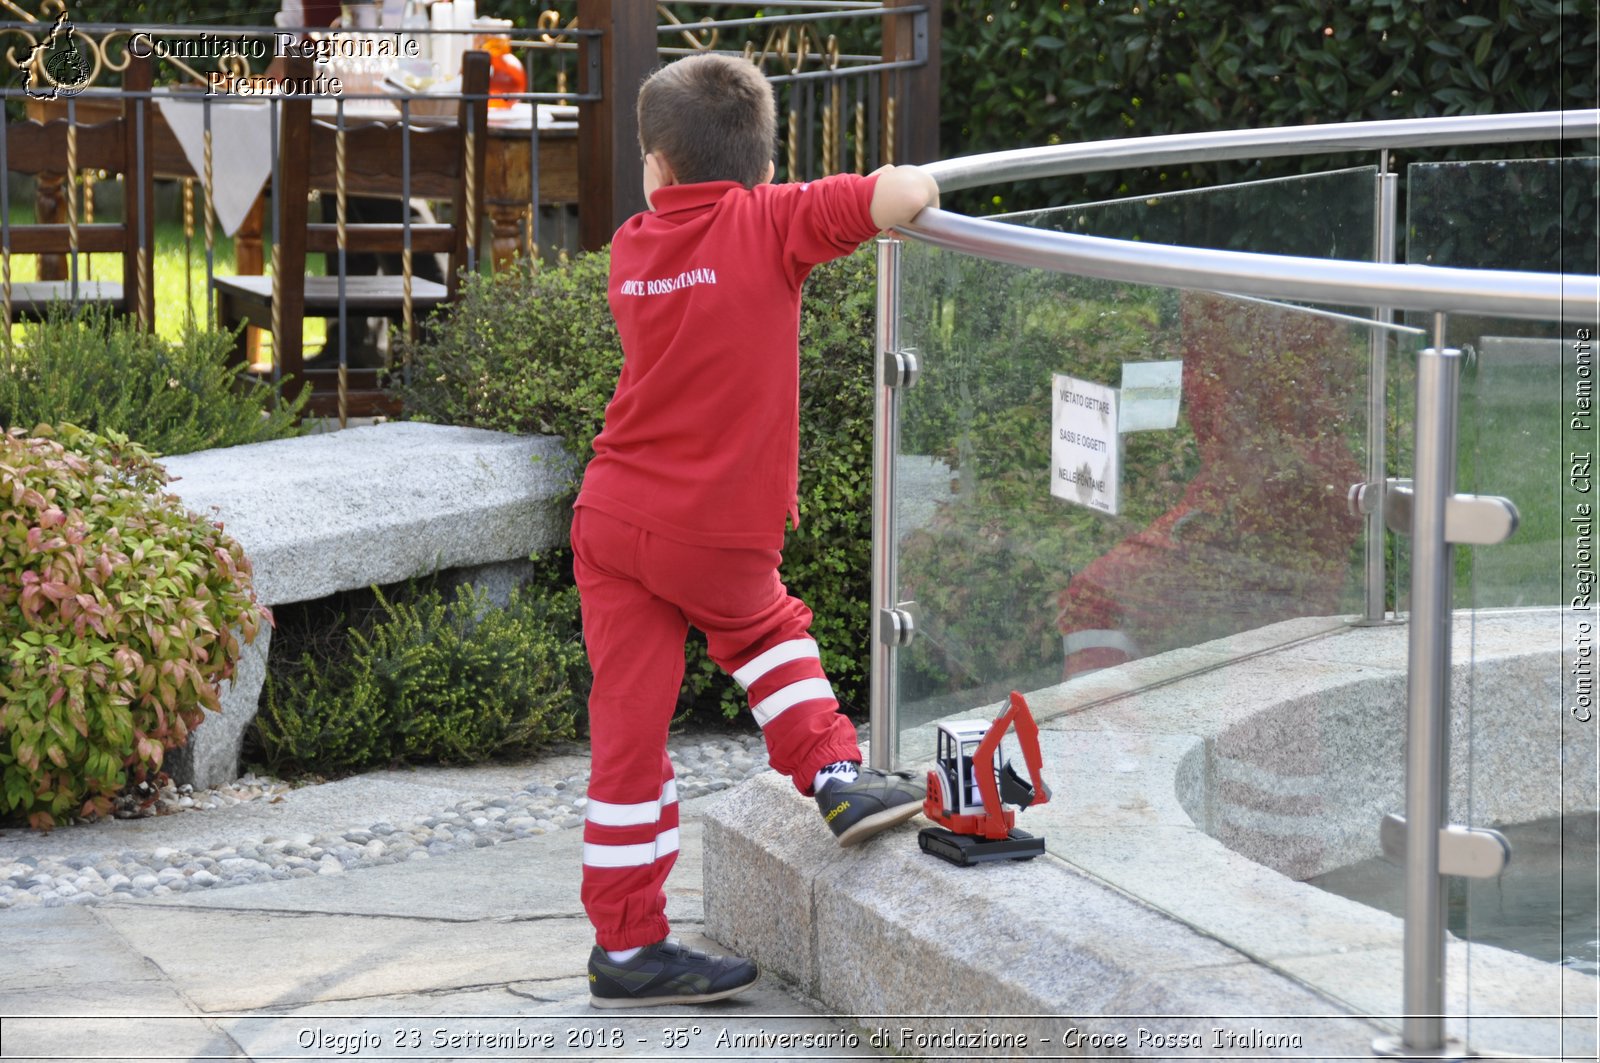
<point>1428,695</point>
<point>1377,400</point>
<point>885,443</point>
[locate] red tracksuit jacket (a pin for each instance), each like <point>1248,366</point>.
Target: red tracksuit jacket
<point>701,440</point>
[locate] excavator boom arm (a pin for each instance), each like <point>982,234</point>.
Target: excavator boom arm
<point>1028,738</point>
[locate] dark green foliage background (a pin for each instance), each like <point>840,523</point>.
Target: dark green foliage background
<point>530,350</point>
<point>175,12</point>
<point>1020,74</point>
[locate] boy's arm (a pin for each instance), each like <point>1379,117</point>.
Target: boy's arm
<point>900,194</point>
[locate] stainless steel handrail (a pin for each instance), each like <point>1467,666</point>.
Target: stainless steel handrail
<point>1502,293</point>
<point>1025,164</point>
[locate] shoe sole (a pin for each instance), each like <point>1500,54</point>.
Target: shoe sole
<point>860,831</point>
<point>654,1002</point>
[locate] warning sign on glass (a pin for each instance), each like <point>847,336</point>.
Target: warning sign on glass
<point>1085,450</point>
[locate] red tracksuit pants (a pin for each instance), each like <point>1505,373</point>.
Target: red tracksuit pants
<point>640,594</point>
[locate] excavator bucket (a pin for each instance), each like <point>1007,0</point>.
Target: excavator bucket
<point>1015,790</point>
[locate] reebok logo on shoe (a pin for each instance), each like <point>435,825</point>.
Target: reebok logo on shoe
<point>874,802</point>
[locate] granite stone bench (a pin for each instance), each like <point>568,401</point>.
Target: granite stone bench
<point>379,504</point>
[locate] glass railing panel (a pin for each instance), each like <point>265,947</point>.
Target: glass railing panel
<point>1245,426</point>
<point>1537,215</point>
<point>1324,215</point>
<point>1211,599</point>
<point>1225,513</point>
<point>1523,944</point>
<point>1247,747</point>
<point>1527,428</point>
<point>1229,516</point>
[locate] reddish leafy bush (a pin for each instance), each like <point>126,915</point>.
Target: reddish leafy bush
<point>117,614</point>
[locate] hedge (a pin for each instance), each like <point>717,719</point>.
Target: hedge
<point>1016,74</point>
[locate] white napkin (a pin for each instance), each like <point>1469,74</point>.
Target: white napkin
<point>241,150</point>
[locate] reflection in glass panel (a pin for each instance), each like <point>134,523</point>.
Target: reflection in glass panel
<point>1231,512</point>
<point>1230,517</point>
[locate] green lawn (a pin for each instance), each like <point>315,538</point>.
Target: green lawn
<point>1511,445</point>
<point>180,273</point>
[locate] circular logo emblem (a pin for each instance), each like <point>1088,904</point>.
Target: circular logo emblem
<point>66,68</point>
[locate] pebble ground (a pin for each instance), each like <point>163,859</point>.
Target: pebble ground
<point>703,765</point>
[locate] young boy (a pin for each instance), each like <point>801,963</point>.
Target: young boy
<point>684,505</point>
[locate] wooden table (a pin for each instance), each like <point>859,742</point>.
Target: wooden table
<point>508,191</point>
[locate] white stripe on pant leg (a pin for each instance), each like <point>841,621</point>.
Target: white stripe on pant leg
<point>639,854</point>
<point>642,854</point>
<point>771,706</point>
<point>607,814</point>
<point>767,660</point>
<point>1099,639</point>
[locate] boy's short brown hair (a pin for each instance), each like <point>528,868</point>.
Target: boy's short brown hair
<point>711,117</point>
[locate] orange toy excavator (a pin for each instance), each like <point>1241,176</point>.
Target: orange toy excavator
<point>974,797</point>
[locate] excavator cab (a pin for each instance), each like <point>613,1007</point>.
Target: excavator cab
<point>957,747</point>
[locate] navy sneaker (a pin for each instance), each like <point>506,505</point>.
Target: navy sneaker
<point>666,973</point>
<point>876,801</point>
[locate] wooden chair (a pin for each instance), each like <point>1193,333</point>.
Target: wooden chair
<point>58,145</point>
<point>443,157</point>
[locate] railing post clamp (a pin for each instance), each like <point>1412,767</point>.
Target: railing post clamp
<point>1469,520</point>
<point>897,626</point>
<point>1469,852</point>
<point>900,369</point>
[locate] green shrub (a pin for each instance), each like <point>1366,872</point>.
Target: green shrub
<point>1016,75</point>
<point>117,613</point>
<point>536,351</point>
<point>104,374</point>
<point>423,678</point>
<point>529,350</point>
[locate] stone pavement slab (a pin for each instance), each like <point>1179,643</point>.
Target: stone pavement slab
<point>230,961</point>
<point>539,1020</point>
<point>472,955</point>
<point>511,882</point>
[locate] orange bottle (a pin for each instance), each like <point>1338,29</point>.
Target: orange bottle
<point>506,75</point>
